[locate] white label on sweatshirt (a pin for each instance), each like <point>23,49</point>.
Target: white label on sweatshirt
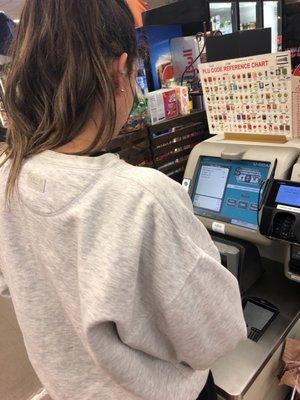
<point>36,183</point>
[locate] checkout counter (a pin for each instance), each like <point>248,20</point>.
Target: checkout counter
<point>231,184</point>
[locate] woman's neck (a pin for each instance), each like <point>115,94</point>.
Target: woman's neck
<point>85,137</point>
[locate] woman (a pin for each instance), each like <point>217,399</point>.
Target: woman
<point>117,287</point>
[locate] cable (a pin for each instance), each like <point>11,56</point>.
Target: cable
<point>261,200</point>
<point>273,170</point>
<point>199,35</point>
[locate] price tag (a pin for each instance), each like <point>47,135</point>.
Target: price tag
<point>218,227</point>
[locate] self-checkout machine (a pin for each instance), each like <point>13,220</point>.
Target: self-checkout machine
<point>245,188</point>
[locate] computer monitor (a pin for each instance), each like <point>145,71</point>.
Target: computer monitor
<point>239,44</point>
<point>229,190</point>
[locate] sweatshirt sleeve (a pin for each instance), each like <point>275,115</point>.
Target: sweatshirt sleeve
<point>4,291</point>
<point>197,301</point>
<point>159,282</point>
<point>205,320</point>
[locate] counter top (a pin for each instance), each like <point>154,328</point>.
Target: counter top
<point>235,372</point>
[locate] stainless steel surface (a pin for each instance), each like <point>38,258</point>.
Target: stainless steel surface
<point>236,372</point>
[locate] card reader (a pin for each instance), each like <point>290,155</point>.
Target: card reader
<point>259,314</point>
<point>280,211</point>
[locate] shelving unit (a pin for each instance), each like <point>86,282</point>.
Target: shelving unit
<point>165,146</point>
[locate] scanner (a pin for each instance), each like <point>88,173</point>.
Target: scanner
<point>280,213</point>
<point>280,220</point>
<point>226,181</point>
<point>246,194</point>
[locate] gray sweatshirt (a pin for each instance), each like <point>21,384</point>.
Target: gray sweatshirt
<point>117,287</point>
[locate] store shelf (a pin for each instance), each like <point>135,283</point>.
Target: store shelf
<point>194,117</point>
<point>165,146</point>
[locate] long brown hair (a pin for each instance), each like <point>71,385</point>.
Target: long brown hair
<point>60,67</point>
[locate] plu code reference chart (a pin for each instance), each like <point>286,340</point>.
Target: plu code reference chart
<point>249,95</point>
<point>296,105</point>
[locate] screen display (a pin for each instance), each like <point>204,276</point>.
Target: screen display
<point>288,195</point>
<point>228,190</point>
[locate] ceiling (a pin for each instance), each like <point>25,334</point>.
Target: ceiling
<point>11,7</point>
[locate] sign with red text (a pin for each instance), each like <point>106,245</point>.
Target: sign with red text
<point>184,51</point>
<point>249,95</point>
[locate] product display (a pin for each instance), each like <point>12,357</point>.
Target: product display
<point>162,105</point>
<point>154,48</point>
<point>249,95</point>
<point>184,50</point>
<point>138,116</point>
<point>165,104</point>
<point>182,94</point>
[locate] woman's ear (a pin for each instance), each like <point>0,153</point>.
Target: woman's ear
<point>120,71</point>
